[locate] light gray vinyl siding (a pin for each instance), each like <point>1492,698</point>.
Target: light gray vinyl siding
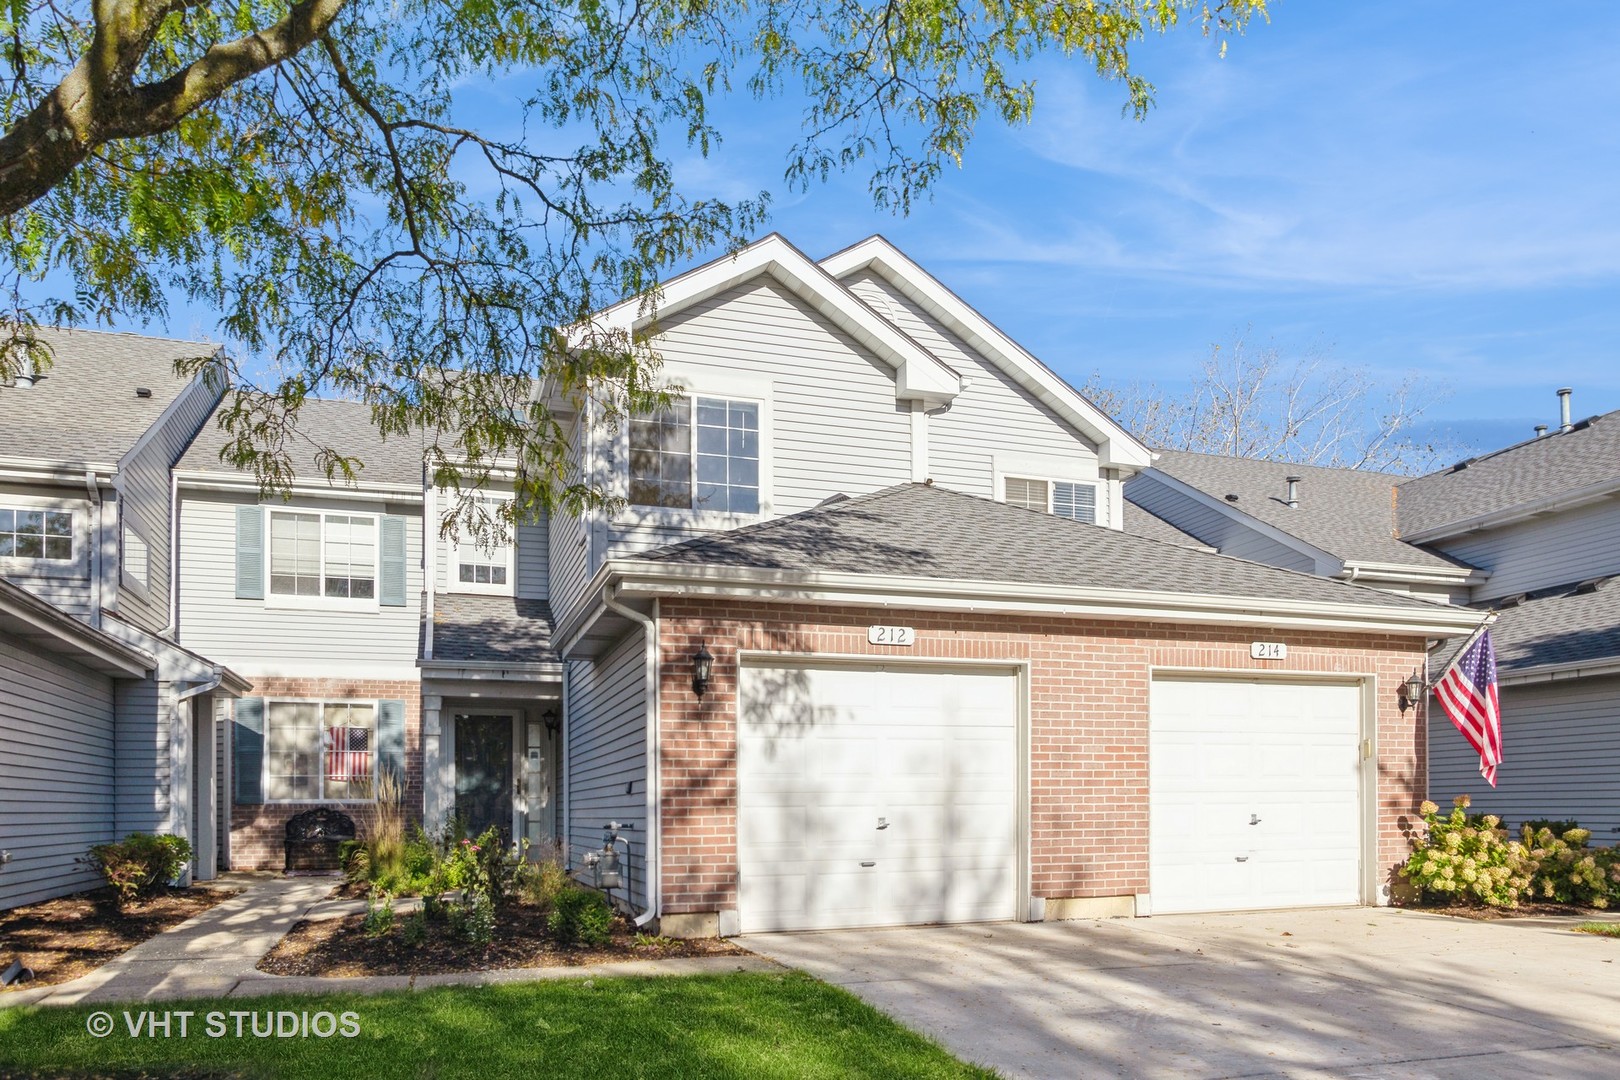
<point>993,415</point>
<point>1561,754</point>
<point>64,584</point>
<point>568,536</point>
<point>145,765</point>
<point>143,498</point>
<point>1225,534</point>
<point>56,758</point>
<point>1559,549</point>
<point>254,636</point>
<point>835,426</point>
<point>607,749</point>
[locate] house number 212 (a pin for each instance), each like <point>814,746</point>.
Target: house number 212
<point>891,635</point>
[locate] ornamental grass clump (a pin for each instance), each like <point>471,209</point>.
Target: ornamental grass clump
<point>1469,859</point>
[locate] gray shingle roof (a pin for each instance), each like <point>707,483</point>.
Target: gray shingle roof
<point>1348,513</point>
<point>1140,522</point>
<point>84,408</point>
<point>491,629</point>
<point>1541,468</point>
<point>918,530</point>
<point>1570,624</point>
<point>343,425</point>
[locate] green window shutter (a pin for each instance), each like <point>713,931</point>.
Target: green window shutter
<point>391,739</point>
<point>249,553</point>
<point>247,750</point>
<point>391,589</point>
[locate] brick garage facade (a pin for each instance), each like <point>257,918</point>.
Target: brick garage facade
<point>258,831</point>
<point>1089,684</point>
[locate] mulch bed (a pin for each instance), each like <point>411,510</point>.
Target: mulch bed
<point>340,947</point>
<point>63,939</point>
<point>1523,911</point>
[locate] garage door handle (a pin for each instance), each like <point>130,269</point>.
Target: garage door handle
<point>868,862</point>
<point>883,823</point>
<point>1241,858</point>
<point>1254,819</point>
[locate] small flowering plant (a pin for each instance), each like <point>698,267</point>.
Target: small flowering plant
<point>1569,872</point>
<point>1469,859</point>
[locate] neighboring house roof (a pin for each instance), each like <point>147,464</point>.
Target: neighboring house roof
<point>343,425</point>
<point>883,258</point>
<point>1564,627</point>
<point>491,630</point>
<point>924,531</point>
<point>1140,522</point>
<point>84,407</point>
<point>26,616</point>
<point>1505,484</point>
<point>1347,513</point>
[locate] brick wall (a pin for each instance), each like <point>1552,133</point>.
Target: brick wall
<point>1088,727</point>
<point>259,830</point>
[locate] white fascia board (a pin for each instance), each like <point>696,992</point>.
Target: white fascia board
<point>1580,669</point>
<point>491,670</point>
<point>1324,559</point>
<point>919,373</point>
<point>1552,504</point>
<point>44,470</point>
<point>641,578</point>
<point>192,480</point>
<point>1429,575</point>
<point>197,385</point>
<point>1121,449</point>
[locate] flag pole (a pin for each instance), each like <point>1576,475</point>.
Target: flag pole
<point>1490,620</point>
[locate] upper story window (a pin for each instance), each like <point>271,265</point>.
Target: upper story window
<point>484,564</point>
<point>36,534</point>
<point>317,554</point>
<point>137,560</point>
<point>1060,497</point>
<point>701,454</point>
<point>320,751</point>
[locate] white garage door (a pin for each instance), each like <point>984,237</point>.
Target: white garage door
<point>1255,792</point>
<point>876,797</point>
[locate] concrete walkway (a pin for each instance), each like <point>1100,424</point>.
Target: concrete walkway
<point>215,954</point>
<point>1365,993</point>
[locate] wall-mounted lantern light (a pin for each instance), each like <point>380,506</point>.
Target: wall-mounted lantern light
<point>552,721</point>
<point>702,670</point>
<point>1409,692</point>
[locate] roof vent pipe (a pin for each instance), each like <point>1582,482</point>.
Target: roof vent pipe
<point>1563,408</point>
<point>1541,429</point>
<point>1293,491</point>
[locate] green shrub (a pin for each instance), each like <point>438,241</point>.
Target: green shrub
<point>580,916</point>
<point>1471,860</point>
<point>379,917</point>
<point>1558,827</point>
<point>414,930</point>
<point>140,864</point>
<point>538,883</point>
<point>1567,871</point>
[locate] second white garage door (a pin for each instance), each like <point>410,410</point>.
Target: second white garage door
<point>1255,793</point>
<point>876,797</point>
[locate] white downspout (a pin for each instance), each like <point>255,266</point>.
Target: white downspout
<point>649,633</point>
<point>172,631</point>
<point>430,559</point>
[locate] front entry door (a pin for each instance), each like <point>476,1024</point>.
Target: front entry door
<point>484,773</point>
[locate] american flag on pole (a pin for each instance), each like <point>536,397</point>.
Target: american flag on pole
<point>1467,692</point>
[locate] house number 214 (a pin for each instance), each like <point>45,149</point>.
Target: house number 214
<point>891,635</point>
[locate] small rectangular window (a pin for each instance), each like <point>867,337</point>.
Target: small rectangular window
<point>661,459</point>
<point>320,750</point>
<point>318,554</point>
<point>137,558</point>
<point>720,472</point>
<point>36,534</point>
<point>1062,498</point>
<point>1030,494</point>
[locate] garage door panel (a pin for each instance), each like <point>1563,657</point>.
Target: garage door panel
<point>1255,794</point>
<point>932,753</point>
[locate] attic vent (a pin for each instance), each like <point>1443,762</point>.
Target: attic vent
<point>1231,498</point>
<point>834,500</point>
<point>143,391</point>
<point>1582,425</point>
<point>1510,601</point>
<point>1463,464</point>
<point>1589,586</point>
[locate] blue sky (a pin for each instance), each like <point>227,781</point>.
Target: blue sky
<point>1417,187</point>
<point>1428,187</point>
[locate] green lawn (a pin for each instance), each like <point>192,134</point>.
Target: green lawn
<point>743,1025</point>
<point>1606,929</point>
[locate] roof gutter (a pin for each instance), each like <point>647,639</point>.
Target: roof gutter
<point>654,783</point>
<point>650,579</point>
<point>1357,570</point>
<point>207,481</point>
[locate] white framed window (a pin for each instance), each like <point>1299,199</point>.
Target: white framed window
<point>703,453</point>
<point>1075,499</point>
<point>136,561</point>
<point>322,557</point>
<point>320,751</point>
<point>480,567</point>
<point>36,533</point>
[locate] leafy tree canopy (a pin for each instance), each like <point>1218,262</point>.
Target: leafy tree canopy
<point>304,170</point>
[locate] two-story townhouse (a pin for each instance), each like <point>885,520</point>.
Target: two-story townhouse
<point>871,641</point>
<point>107,725</point>
<point>1531,532</point>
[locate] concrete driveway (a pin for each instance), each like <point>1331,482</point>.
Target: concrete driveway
<point>1347,992</point>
